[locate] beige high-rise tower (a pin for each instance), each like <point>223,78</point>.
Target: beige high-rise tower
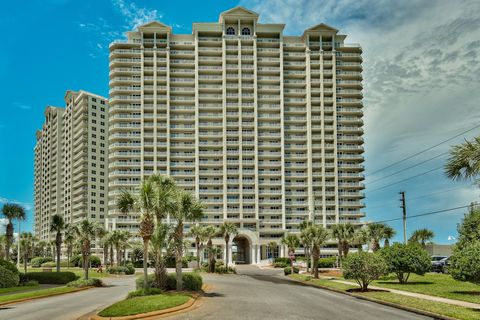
<point>265,129</point>
<point>71,162</point>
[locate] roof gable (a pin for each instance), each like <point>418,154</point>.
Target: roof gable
<point>322,27</point>
<point>153,25</point>
<point>239,11</point>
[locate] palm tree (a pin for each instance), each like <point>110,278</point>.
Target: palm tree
<point>272,245</point>
<point>143,201</point>
<point>306,241</point>
<point>198,232</point>
<point>210,232</point>
<point>464,161</point>
<point>57,225</point>
<point>344,234</point>
<point>104,236</point>
<point>319,235</point>
<point>388,233</point>
<point>360,238</point>
<point>215,252</point>
<point>226,230</point>
<point>11,211</point>
<point>86,232</point>
<point>69,240</point>
<point>124,245</point>
<point>118,239</point>
<point>422,236</point>
<point>26,246</point>
<point>165,196</point>
<point>3,241</point>
<point>292,242</point>
<point>158,243</point>
<point>188,209</point>
<point>376,234</point>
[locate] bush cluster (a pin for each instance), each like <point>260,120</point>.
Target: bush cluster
<point>143,292</point>
<point>49,264</point>
<point>81,283</point>
<point>77,261</point>
<point>170,262</point>
<point>288,270</point>
<point>404,259</point>
<point>364,267</point>
<point>191,281</point>
<point>8,278</point>
<point>63,277</point>
<point>282,260</point>
<point>129,269</point>
<point>280,264</point>
<point>9,265</point>
<point>38,261</point>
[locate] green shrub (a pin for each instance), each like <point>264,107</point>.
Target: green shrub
<point>225,270</point>
<point>8,278</point>
<point>170,262</point>
<point>280,264</point>
<point>191,281</point>
<point>63,277</point>
<point>144,292</point>
<point>81,283</point>
<point>403,259</point>
<point>288,270</point>
<point>31,283</point>
<point>9,265</point>
<point>38,261</point>
<point>77,261</point>
<point>130,269</point>
<point>327,262</point>
<point>465,261</point>
<point>151,281</point>
<point>364,267</point>
<point>50,264</point>
<point>284,260</point>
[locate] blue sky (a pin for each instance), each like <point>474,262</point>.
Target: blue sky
<point>421,62</point>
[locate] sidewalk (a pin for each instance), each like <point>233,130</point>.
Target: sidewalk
<point>416,295</point>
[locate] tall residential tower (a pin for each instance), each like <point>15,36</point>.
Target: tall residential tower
<point>265,129</point>
<point>71,162</point>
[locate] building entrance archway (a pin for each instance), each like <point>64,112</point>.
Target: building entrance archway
<point>241,250</point>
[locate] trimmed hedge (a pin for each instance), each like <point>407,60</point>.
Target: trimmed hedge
<point>129,269</point>
<point>49,264</point>
<point>77,261</point>
<point>81,283</point>
<point>8,278</point>
<point>282,260</point>
<point>9,266</point>
<point>144,292</point>
<point>38,261</point>
<point>63,277</point>
<point>280,264</point>
<point>288,270</point>
<point>191,281</point>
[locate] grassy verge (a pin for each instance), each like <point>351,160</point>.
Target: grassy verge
<point>15,289</point>
<point>420,304</point>
<point>78,271</point>
<point>440,285</point>
<point>35,294</point>
<point>144,304</point>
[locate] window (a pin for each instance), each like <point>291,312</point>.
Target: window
<point>245,32</point>
<point>231,31</point>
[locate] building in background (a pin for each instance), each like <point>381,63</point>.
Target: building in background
<point>71,162</point>
<point>266,129</point>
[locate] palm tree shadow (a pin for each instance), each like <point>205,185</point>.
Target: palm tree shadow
<point>276,280</point>
<point>470,293</point>
<point>406,284</point>
<point>212,294</point>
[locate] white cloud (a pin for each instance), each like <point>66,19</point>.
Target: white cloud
<point>135,15</point>
<point>27,206</point>
<point>22,106</point>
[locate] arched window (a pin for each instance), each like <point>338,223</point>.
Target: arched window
<point>245,32</point>
<point>230,31</point>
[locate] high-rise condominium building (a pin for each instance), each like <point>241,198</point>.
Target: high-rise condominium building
<point>71,162</point>
<point>266,129</point>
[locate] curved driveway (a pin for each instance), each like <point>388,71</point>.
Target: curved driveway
<point>266,294</point>
<point>71,305</point>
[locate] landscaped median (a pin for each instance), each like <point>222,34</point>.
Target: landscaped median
<point>432,308</point>
<point>40,293</point>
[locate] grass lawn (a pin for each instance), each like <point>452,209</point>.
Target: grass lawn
<point>144,304</point>
<point>421,304</point>
<point>78,271</point>
<point>441,285</point>
<point>36,293</point>
<point>19,288</point>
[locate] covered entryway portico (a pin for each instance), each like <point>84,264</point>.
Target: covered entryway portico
<point>244,248</point>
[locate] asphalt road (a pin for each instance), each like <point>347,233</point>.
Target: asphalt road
<point>265,294</point>
<point>71,305</point>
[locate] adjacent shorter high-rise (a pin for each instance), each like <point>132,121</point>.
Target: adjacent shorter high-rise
<point>71,162</point>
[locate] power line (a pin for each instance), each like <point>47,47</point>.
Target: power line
<point>438,192</point>
<point>423,151</point>
<point>420,215</point>
<point>405,169</point>
<point>403,180</point>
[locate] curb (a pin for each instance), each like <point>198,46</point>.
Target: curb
<point>47,296</point>
<point>386,303</point>
<point>151,314</point>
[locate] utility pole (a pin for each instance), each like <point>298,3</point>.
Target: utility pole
<point>404,209</point>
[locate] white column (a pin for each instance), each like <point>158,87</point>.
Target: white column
<point>230,256</point>
<point>258,253</point>
<point>282,251</point>
<point>225,254</point>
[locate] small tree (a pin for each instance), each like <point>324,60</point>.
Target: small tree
<point>292,242</point>
<point>404,259</point>
<point>210,232</point>
<point>198,232</point>
<point>465,262</point>
<point>58,226</point>
<point>318,236</point>
<point>158,243</point>
<point>364,267</point>
<point>422,236</point>
<point>226,230</point>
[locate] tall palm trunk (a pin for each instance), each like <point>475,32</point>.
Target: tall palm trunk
<point>227,240</point>
<point>105,254</point>
<point>85,256</point>
<point>58,243</point>
<point>145,263</point>
<point>119,258</point>
<point>111,255</point>
<point>316,256</point>
<point>9,240</point>
<point>197,246</point>
<point>305,248</point>
<point>211,264</point>
<point>69,253</point>
<point>179,254</point>
<point>25,257</point>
